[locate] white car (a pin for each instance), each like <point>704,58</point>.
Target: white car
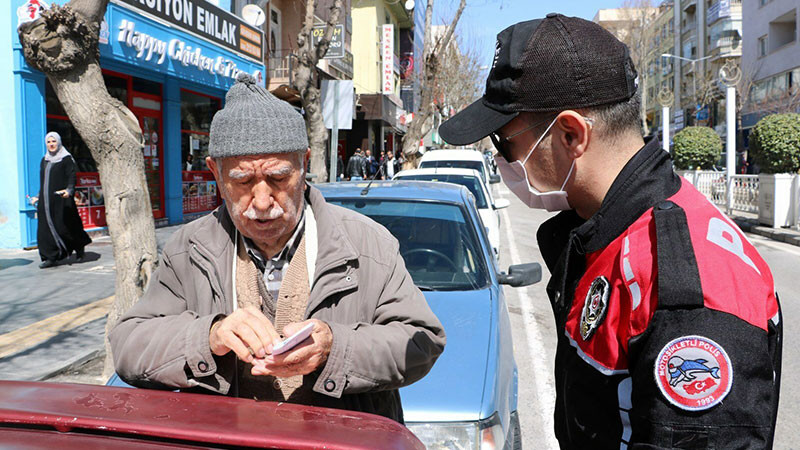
<point>463,159</point>
<point>472,180</point>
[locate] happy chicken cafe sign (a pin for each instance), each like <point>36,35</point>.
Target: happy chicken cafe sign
<point>151,48</point>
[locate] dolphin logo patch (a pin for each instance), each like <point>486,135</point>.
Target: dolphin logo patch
<point>693,373</point>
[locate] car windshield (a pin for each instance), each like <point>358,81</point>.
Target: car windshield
<point>455,164</point>
<point>469,182</point>
<point>437,241</point>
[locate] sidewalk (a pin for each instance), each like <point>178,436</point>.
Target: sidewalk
<point>55,318</point>
<point>751,225</point>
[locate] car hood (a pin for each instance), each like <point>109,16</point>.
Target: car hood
<point>453,390</point>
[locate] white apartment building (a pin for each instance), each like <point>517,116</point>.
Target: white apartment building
<point>771,58</point>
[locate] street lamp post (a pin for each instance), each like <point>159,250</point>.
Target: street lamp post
<point>730,75</point>
<point>665,98</point>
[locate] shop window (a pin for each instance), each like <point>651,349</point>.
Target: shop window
<point>58,121</point>
<point>146,86</point>
<point>117,87</point>
<point>199,186</point>
<point>197,111</point>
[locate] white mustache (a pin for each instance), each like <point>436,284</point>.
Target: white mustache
<point>271,214</point>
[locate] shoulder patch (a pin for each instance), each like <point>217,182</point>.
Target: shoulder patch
<point>595,306</point>
<point>693,373</point>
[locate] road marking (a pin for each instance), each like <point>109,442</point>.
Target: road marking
<point>761,240</point>
<point>546,397</point>
<point>36,333</point>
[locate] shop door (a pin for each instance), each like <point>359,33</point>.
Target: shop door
<point>147,108</point>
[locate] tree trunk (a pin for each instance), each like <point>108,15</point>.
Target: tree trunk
<point>422,122</point>
<point>63,45</point>
<point>305,78</point>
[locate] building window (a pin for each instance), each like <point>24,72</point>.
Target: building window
<point>197,110</point>
<point>762,46</point>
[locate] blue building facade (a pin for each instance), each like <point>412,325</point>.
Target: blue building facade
<point>170,62</point>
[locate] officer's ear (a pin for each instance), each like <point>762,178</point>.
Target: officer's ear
<point>573,133</point>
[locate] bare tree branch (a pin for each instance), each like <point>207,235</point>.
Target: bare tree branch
<point>306,80</point>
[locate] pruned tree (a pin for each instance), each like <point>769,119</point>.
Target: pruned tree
<point>63,44</point>
<point>306,81</point>
<point>429,76</point>
<point>636,17</point>
<point>461,78</point>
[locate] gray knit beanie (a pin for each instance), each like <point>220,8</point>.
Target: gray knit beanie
<point>255,122</point>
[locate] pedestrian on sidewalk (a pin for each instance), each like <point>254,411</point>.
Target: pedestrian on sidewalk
<point>273,259</point>
<point>60,229</point>
<point>355,166</point>
<point>669,328</point>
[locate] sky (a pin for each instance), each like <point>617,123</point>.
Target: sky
<point>483,19</point>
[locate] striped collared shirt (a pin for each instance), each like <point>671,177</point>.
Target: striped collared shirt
<point>274,269</point>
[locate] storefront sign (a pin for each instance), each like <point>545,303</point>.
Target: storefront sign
<point>199,192</point>
<point>89,199</point>
<point>336,47</point>
<point>151,48</point>
<point>207,21</point>
<point>387,51</point>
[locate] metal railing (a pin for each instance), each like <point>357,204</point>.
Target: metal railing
<point>745,193</point>
<point>282,67</point>
<point>714,186</point>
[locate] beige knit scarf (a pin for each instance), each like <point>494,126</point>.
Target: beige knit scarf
<point>290,307</point>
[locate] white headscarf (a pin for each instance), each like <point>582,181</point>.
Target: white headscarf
<point>60,154</point>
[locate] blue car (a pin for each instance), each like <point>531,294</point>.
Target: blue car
<point>469,399</point>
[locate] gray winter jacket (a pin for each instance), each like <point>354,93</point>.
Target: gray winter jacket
<point>384,334</point>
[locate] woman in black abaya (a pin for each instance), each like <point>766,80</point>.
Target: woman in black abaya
<point>60,229</point>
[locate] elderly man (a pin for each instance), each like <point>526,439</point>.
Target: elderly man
<point>275,258</point>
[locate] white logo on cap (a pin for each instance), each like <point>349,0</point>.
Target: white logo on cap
<point>497,47</point>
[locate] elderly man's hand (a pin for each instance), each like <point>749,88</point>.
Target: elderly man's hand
<point>301,360</point>
<point>247,332</point>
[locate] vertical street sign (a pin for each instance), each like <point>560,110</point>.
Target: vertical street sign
<point>387,52</point>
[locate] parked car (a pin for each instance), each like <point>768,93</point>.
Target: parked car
<point>471,179</point>
<point>469,398</point>
<point>37,415</point>
<point>462,159</point>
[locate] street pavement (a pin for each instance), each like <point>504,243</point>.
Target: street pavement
<point>535,339</point>
<point>51,319</point>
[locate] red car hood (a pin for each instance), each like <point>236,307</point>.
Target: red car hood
<point>87,411</point>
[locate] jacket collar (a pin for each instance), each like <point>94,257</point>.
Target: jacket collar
<point>646,179</point>
<point>334,244</point>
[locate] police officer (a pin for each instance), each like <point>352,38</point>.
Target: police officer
<point>669,328</point>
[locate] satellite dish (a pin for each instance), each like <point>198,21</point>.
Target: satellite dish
<point>409,4</point>
<point>253,15</point>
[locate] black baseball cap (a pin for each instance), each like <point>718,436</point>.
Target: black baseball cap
<point>546,65</point>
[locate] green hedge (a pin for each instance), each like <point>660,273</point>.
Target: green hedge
<point>696,148</point>
<point>775,143</point>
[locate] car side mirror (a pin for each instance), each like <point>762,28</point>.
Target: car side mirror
<point>494,179</point>
<point>521,275</point>
<point>501,203</point>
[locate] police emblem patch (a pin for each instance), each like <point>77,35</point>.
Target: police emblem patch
<point>694,373</point>
<point>595,306</point>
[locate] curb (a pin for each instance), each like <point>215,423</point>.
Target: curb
<point>776,234</point>
<point>71,364</point>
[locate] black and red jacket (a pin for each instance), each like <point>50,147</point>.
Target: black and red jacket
<point>669,326</point>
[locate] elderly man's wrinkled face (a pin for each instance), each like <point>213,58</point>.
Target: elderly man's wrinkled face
<point>263,194</point>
